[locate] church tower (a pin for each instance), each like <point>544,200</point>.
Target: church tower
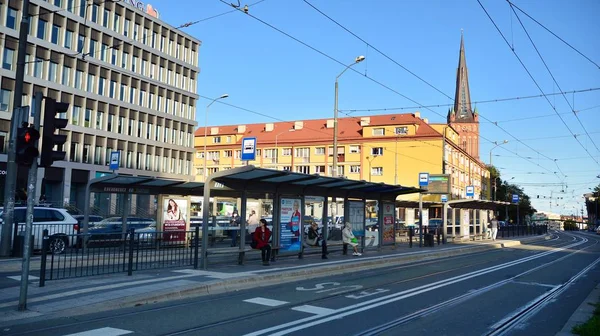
<point>462,117</point>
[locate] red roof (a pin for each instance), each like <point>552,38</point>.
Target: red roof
<point>316,130</point>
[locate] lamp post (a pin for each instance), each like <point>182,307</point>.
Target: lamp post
<point>223,96</point>
<point>276,149</point>
<point>335,115</point>
<point>490,180</point>
<point>370,159</point>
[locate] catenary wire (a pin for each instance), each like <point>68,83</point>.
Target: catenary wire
<point>535,82</point>
<point>553,78</point>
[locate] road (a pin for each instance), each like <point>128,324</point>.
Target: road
<point>527,290</point>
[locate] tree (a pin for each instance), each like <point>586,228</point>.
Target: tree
<point>592,205</point>
<point>504,192</point>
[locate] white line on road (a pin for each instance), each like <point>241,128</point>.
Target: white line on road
<point>266,302</point>
<point>18,277</point>
<point>314,310</point>
<point>534,284</point>
<point>102,332</point>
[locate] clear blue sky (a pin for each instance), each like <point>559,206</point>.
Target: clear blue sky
<point>267,72</point>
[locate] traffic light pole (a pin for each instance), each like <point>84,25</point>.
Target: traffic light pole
<point>15,121</point>
<point>31,183</point>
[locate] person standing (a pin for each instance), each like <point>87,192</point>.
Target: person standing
<point>494,227</point>
<point>349,238</point>
<point>234,222</point>
<point>262,234</point>
<point>252,222</point>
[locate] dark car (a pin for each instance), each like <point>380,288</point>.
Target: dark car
<point>109,232</point>
<point>92,220</point>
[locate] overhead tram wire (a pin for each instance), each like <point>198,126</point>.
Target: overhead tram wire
<point>558,37</point>
<point>498,100</point>
<point>534,81</point>
<point>376,49</point>
<point>553,78</point>
<point>354,70</point>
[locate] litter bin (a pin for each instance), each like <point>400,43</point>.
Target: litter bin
<point>428,239</point>
<point>19,245</point>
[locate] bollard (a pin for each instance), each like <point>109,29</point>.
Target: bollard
<point>131,242</point>
<point>196,246</point>
<point>411,233</point>
<point>45,247</point>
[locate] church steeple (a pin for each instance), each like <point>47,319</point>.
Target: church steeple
<point>462,97</point>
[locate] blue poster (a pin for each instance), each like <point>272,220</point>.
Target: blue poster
<point>289,233</point>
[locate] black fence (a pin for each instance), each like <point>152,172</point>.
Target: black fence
<point>97,254</point>
<point>521,230</point>
<point>62,235</point>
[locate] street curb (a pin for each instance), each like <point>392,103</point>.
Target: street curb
<point>583,312</point>
<point>259,280</point>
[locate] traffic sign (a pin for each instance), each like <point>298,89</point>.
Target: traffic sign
<point>470,191</point>
<point>249,149</point>
<point>423,179</point>
<point>115,159</point>
<point>444,198</point>
<point>515,198</point>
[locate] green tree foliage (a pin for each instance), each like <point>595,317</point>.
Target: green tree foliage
<point>504,191</point>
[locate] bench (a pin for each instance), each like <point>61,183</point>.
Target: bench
<point>241,252</point>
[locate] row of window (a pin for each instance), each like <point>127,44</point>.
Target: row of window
<point>303,152</point>
<point>380,131</point>
<point>352,169</point>
<point>102,16</point>
<point>65,75</point>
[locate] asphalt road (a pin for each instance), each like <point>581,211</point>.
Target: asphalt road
<point>526,290</point>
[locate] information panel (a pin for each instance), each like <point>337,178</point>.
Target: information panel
<point>388,224</point>
<point>289,225</point>
<point>439,184</point>
<point>356,217</point>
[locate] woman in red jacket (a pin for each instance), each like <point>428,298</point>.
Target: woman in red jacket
<point>262,234</point>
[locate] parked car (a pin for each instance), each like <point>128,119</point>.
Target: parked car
<point>93,219</point>
<point>598,230</point>
<point>60,224</point>
<point>109,231</point>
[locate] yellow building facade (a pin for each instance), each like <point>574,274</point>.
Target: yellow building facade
<point>392,149</point>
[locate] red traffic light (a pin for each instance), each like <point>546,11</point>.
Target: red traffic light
<point>27,150</point>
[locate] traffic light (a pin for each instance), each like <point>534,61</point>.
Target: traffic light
<point>27,150</point>
<point>49,138</point>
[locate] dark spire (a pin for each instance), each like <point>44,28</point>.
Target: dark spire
<point>462,98</point>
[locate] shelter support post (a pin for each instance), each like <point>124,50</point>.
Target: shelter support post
<point>325,232</point>
<point>444,221</point>
<point>205,218</point>
<point>380,227</point>
<point>242,231</point>
<point>126,211</point>
<point>420,219</point>
<point>301,234</point>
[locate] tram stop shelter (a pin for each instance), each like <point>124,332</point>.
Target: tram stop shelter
<point>288,190</point>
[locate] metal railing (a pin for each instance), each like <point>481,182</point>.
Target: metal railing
<point>521,230</point>
<point>98,254</point>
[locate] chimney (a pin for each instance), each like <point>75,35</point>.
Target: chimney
<point>417,114</point>
<point>269,127</point>
<point>241,129</point>
<point>426,120</point>
<point>365,121</point>
<point>214,130</point>
<point>330,123</point>
<point>298,125</point>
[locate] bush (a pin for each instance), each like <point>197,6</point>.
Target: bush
<point>570,225</point>
<point>591,327</point>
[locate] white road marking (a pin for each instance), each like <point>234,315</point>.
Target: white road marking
<point>18,277</point>
<point>102,332</point>
<point>266,302</point>
<point>314,310</point>
<point>215,275</point>
<point>534,284</point>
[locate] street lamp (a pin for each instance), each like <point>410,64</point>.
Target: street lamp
<point>335,115</point>
<point>370,159</point>
<point>490,180</point>
<point>223,96</point>
<point>276,149</point>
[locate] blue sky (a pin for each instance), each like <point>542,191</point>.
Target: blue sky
<point>269,73</point>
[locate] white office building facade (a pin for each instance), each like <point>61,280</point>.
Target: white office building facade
<point>130,80</point>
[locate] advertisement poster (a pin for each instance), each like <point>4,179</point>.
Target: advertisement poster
<point>289,233</point>
<point>174,219</point>
<point>356,212</point>
<point>388,223</point>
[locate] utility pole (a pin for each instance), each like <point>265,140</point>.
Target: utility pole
<point>31,183</point>
<point>15,121</point>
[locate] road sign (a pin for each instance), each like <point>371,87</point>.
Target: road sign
<point>444,198</point>
<point>423,179</point>
<point>470,191</point>
<point>115,159</point>
<point>249,149</point>
<point>515,198</point>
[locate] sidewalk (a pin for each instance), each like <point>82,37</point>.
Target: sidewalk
<point>84,295</point>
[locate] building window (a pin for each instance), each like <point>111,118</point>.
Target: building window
<point>11,18</point>
<point>105,19</point>
<point>68,43</point>
<point>227,153</point>
<point>378,131</point>
<point>80,43</point>
<point>354,169</point>
<point>217,139</point>
<point>377,171</point>
<point>75,115</point>
<point>376,151</point>
<point>99,119</point>
<point>286,152</point>
<point>101,84</point>
<point>4,100</point>
<point>8,58</point>
<point>73,157</point>
<point>38,67</point>
<point>52,71</point>
<point>302,152</point>
<point>55,32</point>
<point>320,169</point>
<point>116,25</point>
<point>41,29</point>
<point>303,169</point>
<point>402,130</point>
<point>82,8</point>
<point>354,149</point>
<point>98,154</point>
<point>238,154</point>
<point>87,117</point>
<point>109,122</point>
